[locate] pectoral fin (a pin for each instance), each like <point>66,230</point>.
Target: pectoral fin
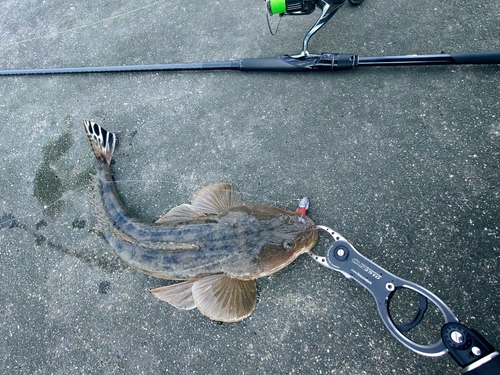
<point>178,295</point>
<point>216,198</point>
<point>225,299</point>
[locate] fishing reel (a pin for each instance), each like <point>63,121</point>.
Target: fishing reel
<point>303,7</point>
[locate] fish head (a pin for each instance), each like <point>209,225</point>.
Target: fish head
<point>288,235</point>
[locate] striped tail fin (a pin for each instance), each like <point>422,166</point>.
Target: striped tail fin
<point>101,141</point>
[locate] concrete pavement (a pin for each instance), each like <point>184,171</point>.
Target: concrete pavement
<point>404,162</point>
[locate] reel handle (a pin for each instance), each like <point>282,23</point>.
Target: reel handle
<point>302,7</point>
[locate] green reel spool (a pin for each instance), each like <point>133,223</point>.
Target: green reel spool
<point>291,7</point>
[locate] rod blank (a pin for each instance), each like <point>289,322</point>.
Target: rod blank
<point>324,62</point>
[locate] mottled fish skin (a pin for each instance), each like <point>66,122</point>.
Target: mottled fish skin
<point>240,241</point>
<point>229,243</point>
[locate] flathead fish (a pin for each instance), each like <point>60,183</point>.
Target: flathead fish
<point>217,244</point>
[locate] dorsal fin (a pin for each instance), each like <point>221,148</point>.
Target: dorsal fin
<point>216,199</point>
<point>180,213</point>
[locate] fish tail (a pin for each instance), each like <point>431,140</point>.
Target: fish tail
<point>101,141</point>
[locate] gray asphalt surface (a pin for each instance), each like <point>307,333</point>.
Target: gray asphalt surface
<point>404,162</point>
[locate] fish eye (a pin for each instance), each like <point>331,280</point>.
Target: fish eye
<point>288,244</point>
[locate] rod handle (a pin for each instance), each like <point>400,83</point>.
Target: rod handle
<point>477,57</point>
<point>492,366</point>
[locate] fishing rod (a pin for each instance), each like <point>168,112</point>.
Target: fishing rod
<point>285,63</point>
<point>302,62</point>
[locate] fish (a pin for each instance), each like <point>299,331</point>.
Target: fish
<point>216,246</point>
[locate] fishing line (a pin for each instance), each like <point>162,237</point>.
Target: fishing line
<point>9,219</point>
<point>86,25</point>
<point>273,33</point>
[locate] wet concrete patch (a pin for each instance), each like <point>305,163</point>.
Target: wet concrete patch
<point>48,186</point>
<point>53,151</point>
<point>79,224</point>
<point>7,221</point>
<point>104,287</point>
